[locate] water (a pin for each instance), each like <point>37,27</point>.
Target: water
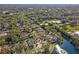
<point>68,47</point>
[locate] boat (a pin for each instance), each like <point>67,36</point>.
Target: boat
<point>59,50</point>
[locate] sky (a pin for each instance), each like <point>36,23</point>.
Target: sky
<point>39,1</point>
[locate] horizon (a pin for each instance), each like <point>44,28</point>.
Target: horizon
<point>37,5</point>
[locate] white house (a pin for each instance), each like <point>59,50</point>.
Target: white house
<point>76,33</point>
<point>55,21</point>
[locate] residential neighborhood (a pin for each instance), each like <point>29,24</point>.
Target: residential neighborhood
<point>39,30</point>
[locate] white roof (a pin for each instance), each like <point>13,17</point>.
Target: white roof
<point>77,32</point>
<point>3,34</point>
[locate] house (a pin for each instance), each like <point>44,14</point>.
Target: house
<point>38,41</point>
<point>53,39</point>
<point>42,30</point>
<point>55,21</point>
<point>6,27</point>
<point>76,33</point>
<point>3,34</point>
<point>34,26</point>
<point>71,33</point>
<point>4,12</point>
